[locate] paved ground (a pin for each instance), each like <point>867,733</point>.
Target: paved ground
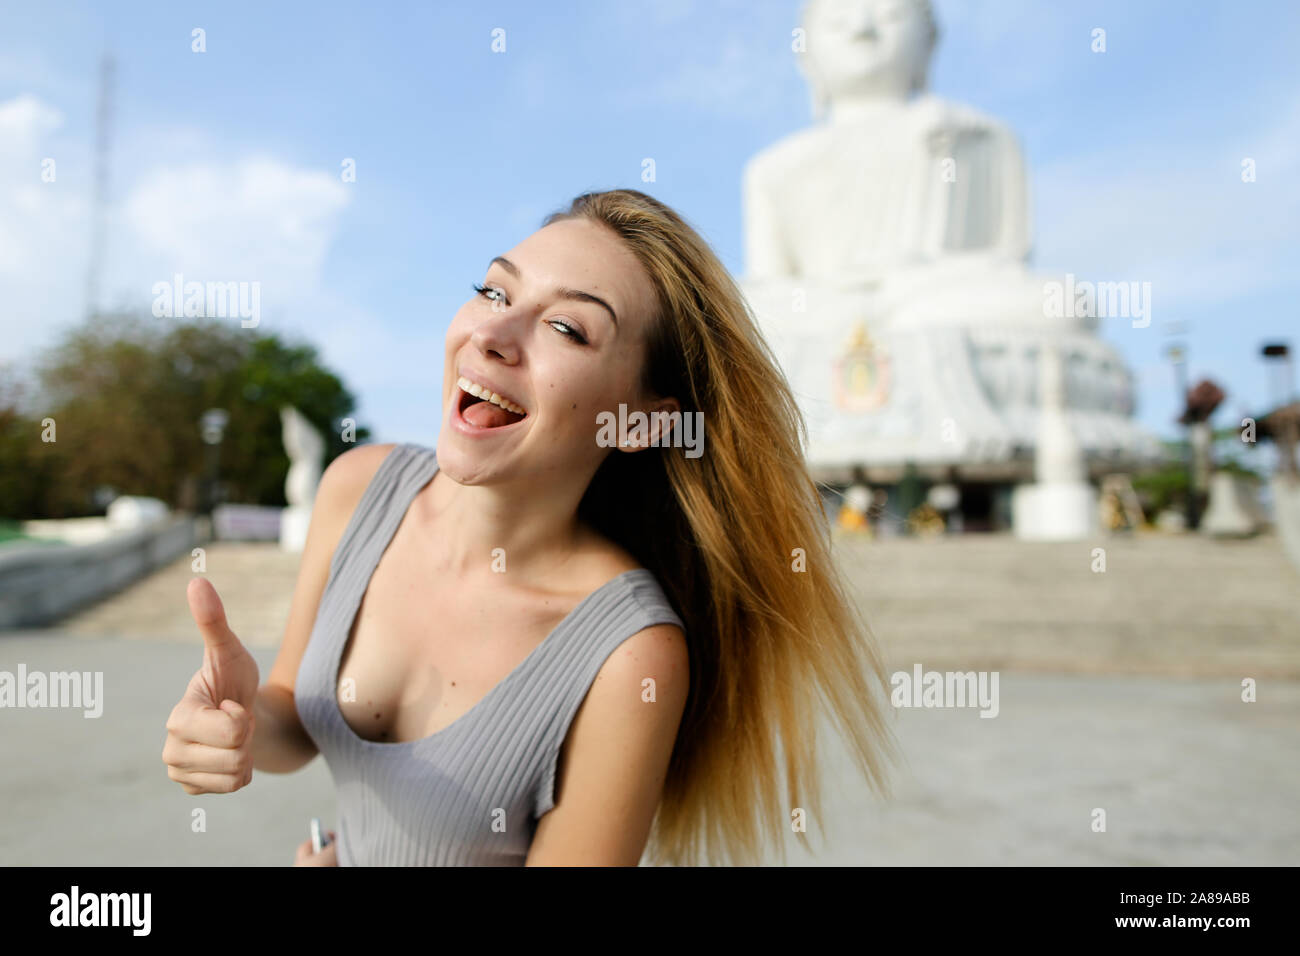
<point>79,791</point>
<point>1187,774</point>
<point>1118,691</point>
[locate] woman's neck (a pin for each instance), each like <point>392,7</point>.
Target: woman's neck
<point>526,531</point>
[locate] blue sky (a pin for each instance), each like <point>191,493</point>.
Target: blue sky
<point>225,164</point>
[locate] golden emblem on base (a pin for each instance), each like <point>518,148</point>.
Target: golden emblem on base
<point>861,374</point>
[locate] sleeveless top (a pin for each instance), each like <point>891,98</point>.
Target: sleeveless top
<point>472,793</point>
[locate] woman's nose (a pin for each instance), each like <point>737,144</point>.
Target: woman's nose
<point>498,334</point>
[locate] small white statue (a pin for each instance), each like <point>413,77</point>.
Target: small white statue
<point>306,450</point>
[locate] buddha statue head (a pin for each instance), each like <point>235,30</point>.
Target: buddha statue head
<point>866,49</point>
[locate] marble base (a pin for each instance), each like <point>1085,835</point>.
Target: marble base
<point>1231,512</point>
<point>936,387</point>
<point>1286,515</point>
<point>294,522</point>
<point>1054,512</point>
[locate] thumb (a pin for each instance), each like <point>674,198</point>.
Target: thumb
<point>210,616</point>
<point>234,708</point>
<point>241,716</point>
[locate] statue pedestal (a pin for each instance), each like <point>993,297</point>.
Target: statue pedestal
<point>1286,514</point>
<point>294,522</point>
<point>883,380</point>
<point>1231,512</point>
<point>1054,512</point>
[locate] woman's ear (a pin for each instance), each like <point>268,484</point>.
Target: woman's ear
<point>664,416</point>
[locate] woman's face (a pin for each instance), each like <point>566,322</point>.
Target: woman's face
<point>541,335</point>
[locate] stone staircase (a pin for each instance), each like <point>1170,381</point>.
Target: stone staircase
<point>1166,604</point>
<point>1177,605</point>
<point>255,581</point>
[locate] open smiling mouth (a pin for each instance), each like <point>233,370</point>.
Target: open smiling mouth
<point>483,408</point>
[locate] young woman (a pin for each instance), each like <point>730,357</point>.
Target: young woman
<point>535,645</point>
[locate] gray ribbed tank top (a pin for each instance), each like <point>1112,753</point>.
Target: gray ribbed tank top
<point>470,794</point>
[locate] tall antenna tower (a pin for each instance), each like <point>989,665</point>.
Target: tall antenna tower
<point>103,131</point>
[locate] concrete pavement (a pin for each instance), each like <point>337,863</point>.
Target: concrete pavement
<point>1119,690</point>
<point>1186,772</point>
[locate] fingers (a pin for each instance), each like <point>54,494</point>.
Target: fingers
<point>192,758</point>
<point>210,616</point>
<point>201,782</point>
<point>220,760</point>
<point>328,856</point>
<point>227,726</point>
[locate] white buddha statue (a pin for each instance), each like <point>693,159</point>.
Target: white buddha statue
<point>886,260</point>
<point>895,177</point>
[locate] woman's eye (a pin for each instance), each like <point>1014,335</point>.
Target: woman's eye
<point>568,331</point>
<point>491,293</point>
<point>495,295</point>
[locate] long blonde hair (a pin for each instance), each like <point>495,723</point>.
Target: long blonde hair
<point>724,534</point>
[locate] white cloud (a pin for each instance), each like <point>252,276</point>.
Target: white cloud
<point>253,219</point>
<point>248,218</point>
<point>37,219</point>
<point>23,121</point>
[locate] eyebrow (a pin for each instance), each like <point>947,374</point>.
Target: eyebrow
<point>562,292</point>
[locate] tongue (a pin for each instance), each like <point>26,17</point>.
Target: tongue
<point>486,415</point>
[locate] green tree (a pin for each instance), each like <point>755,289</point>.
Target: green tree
<point>21,480</point>
<point>126,394</point>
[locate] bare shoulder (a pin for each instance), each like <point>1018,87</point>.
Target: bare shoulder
<point>639,694</point>
<point>605,558</point>
<point>660,644</point>
<point>350,473</point>
<point>658,653</point>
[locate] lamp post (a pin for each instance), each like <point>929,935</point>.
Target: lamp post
<point>1177,355</point>
<point>1283,379</point>
<point>1282,419</point>
<point>212,426</point>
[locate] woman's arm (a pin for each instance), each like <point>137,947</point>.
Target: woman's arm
<point>615,757</point>
<point>280,743</point>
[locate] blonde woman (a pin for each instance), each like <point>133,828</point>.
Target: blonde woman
<point>535,645</point>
